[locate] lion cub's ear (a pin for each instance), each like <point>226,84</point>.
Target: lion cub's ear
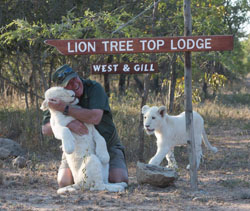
<point>144,109</point>
<point>44,105</point>
<point>162,110</point>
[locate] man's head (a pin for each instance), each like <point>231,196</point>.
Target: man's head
<point>63,75</point>
<point>67,78</point>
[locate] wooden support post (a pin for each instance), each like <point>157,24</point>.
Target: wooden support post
<point>188,98</point>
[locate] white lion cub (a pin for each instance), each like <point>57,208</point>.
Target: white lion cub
<point>86,155</point>
<point>170,131</point>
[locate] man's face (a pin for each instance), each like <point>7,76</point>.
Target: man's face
<point>76,85</point>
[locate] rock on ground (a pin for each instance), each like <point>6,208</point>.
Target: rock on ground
<point>155,175</point>
<point>19,162</point>
<point>9,147</point>
<point>4,153</point>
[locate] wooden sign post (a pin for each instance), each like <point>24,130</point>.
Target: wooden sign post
<point>188,100</point>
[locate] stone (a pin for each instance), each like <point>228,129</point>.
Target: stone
<point>13,147</point>
<point>4,153</point>
<point>155,175</point>
<point>19,162</point>
<point>1,178</point>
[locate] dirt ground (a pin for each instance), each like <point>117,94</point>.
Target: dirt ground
<point>223,183</point>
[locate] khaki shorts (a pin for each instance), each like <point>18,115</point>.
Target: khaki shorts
<point>117,158</point>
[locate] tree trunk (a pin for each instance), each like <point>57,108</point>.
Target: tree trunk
<point>26,97</point>
<point>122,81</point>
<point>106,77</point>
<point>204,89</point>
<point>140,128</point>
<point>173,84</point>
<point>106,84</point>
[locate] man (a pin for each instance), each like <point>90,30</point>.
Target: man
<point>94,110</point>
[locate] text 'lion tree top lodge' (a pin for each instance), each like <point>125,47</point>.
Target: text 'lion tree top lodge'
<point>143,45</point>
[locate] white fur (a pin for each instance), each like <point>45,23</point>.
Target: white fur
<point>87,155</point>
<point>170,131</point>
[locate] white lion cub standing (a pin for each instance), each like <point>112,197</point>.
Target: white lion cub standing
<point>170,131</point>
<point>87,155</point>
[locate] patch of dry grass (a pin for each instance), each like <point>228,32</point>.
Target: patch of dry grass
<point>229,110</point>
<point>224,116</point>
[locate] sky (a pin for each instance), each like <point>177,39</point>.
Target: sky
<point>246,27</point>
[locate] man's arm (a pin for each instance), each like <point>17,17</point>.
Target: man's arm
<point>75,126</point>
<point>81,115</point>
<point>90,116</point>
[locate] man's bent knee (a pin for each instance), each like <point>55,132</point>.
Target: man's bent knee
<point>117,175</point>
<point>64,177</point>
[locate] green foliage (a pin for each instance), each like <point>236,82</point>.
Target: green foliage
<point>22,33</point>
<point>246,53</point>
<point>215,80</point>
<point>179,93</point>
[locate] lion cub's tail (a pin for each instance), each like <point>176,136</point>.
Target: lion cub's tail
<point>207,143</point>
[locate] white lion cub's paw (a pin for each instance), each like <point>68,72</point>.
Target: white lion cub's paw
<point>124,184</point>
<point>114,187</point>
<point>154,161</point>
<point>214,149</point>
<point>172,166</point>
<point>68,146</point>
<point>67,189</point>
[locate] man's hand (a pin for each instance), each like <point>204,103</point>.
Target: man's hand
<point>78,127</point>
<point>56,104</point>
<point>75,126</point>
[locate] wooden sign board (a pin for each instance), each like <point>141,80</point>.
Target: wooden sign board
<point>124,68</point>
<point>143,45</point>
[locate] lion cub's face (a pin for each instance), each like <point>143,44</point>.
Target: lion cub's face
<point>67,96</point>
<point>153,118</point>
